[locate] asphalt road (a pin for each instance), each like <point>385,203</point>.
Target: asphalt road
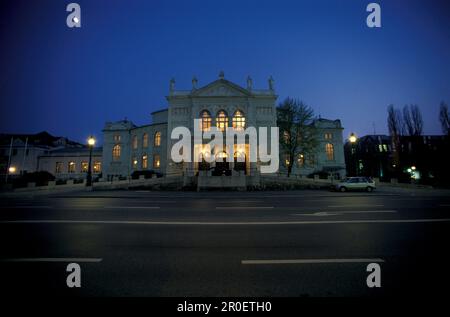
<point>292,243</point>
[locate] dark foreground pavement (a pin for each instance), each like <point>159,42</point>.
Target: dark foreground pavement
<point>293,243</point>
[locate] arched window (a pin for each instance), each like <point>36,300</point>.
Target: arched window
<point>135,142</point>
<point>238,120</point>
<point>158,138</point>
<point>145,140</point>
<point>144,161</point>
<point>222,120</point>
<point>156,161</point>
<point>206,120</point>
<point>116,152</point>
<point>329,149</point>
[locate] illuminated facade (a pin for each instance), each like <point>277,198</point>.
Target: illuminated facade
<point>222,104</point>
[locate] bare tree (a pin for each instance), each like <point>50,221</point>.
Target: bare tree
<point>444,117</point>
<point>412,120</point>
<point>395,123</point>
<point>297,134</point>
<point>395,126</point>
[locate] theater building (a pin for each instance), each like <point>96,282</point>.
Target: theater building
<point>223,104</point>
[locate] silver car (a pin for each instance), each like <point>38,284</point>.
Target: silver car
<point>356,183</point>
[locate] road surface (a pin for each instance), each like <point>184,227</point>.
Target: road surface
<point>287,243</point>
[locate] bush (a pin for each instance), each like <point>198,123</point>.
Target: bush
<point>146,173</point>
<point>40,178</point>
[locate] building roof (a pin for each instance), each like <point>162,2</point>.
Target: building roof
<point>43,139</point>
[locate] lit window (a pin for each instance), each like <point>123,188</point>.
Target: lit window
<point>116,152</point>
<point>97,167</point>
<point>84,167</point>
<point>71,167</point>
<point>329,149</point>
<point>238,120</point>
<point>222,120</point>
<point>328,136</point>
<point>206,121</point>
<point>156,161</point>
<point>157,138</point>
<point>144,161</point>
<point>301,160</point>
<point>287,161</point>
<point>135,163</point>
<point>59,167</point>
<point>145,140</point>
<point>135,142</point>
<point>117,138</point>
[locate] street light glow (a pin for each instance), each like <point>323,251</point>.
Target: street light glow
<point>413,168</point>
<point>352,138</point>
<point>12,169</point>
<point>91,141</point>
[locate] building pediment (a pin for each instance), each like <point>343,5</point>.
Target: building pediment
<point>221,88</point>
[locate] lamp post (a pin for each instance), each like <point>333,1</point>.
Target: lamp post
<point>91,143</point>
<point>352,138</point>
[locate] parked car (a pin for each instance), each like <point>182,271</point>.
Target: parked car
<point>356,183</point>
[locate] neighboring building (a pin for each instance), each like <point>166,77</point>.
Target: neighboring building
<point>128,148</point>
<point>26,149</point>
<point>419,158</point>
<point>371,156</point>
<point>71,163</point>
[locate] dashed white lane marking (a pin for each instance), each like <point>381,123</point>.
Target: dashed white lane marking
<point>131,207</point>
<point>312,261</point>
<point>205,223</point>
<point>335,213</point>
<point>28,207</point>
<point>80,260</point>
<point>354,206</point>
<point>244,207</point>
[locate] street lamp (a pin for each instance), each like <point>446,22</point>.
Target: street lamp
<point>12,169</point>
<point>352,138</point>
<point>91,143</point>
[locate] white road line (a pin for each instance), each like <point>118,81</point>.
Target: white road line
<point>245,207</point>
<point>204,223</point>
<point>85,260</point>
<point>312,261</point>
<point>355,206</point>
<point>132,207</point>
<point>335,213</point>
<point>28,207</point>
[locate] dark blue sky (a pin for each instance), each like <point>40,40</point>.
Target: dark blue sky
<point>119,63</point>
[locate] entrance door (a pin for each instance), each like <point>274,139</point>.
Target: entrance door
<point>240,161</point>
<point>222,166</point>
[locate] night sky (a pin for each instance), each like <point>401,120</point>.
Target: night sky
<point>119,63</point>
